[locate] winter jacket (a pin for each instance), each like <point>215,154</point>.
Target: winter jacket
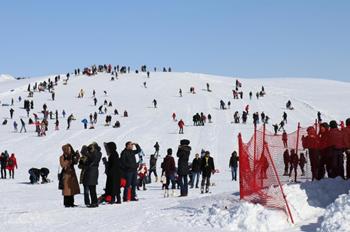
<point>196,165</point>
<point>346,136</point>
<point>152,163</point>
<point>128,159</point>
<point>234,161</point>
<point>114,171</point>
<point>11,163</point>
<point>70,180</point>
<point>168,165</point>
<point>183,153</point>
<point>207,166</point>
<point>336,139</point>
<point>91,165</point>
<point>286,157</point>
<point>311,142</point>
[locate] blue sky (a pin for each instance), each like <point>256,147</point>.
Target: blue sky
<point>262,38</point>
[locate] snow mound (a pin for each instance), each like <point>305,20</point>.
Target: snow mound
<point>337,215</point>
<point>6,77</point>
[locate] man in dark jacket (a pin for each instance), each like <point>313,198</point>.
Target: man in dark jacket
<point>169,170</point>
<point>91,174</point>
<point>129,167</point>
<point>207,168</point>
<point>183,153</point>
<point>113,172</point>
<point>153,167</point>
<point>233,165</point>
<point>3,163</point>
<point>196,170</point>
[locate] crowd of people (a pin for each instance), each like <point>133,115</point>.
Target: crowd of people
<point>128,172</point>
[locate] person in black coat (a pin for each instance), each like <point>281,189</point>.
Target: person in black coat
<point>286,160</point>
<point>114,172</point>
<point>129,167</point>
<point>234,164</point>
<point>90,176</point>
<point>183,153</point>
<point>196,170</point>
<point>207,168</point>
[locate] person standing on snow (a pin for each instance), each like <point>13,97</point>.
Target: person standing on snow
<point>23,126</point>
<point>11,165</point>
<point>233,165</point>
<point>156,147</point>
<point>196,170</point>
<point>181,125</point>
<point>129,166</point>
<point>207,168</point>
<point>114,173</point>
<point>169,170</point>
<point>183,153</point>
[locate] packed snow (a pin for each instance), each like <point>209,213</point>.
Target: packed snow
<point>25,207</point>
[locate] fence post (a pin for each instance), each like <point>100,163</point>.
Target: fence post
<point>254,161</point>
<point>279,183</point>
<point>298,136</point>
<point>240,153</point>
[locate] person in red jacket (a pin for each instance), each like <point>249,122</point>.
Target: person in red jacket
<point>11,164</point>
<point>285,139</point>
<point>312,143</point>
<point>336,143</point>
<point>181,125</point>
<point>174,116</point>
<point>346,136</point>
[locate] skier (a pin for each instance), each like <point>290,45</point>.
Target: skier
<point>207,168</point>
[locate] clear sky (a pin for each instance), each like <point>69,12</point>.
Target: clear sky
<point>261,38</point>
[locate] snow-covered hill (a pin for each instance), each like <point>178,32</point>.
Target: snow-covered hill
<point>39,207</point>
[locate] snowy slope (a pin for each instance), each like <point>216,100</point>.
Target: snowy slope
<point>39,207</point>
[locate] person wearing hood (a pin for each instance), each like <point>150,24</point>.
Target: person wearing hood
<point>183,153</point>
<point>68,159</point>
<point>90,178</point>
<point>114,172</point>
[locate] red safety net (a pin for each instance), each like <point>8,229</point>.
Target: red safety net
<point>261,165</point>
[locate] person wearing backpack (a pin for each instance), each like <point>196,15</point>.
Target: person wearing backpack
<point>11,164</point>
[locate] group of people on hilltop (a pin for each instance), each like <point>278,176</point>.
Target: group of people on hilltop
<point>8,163</point>
<point>327,149</point>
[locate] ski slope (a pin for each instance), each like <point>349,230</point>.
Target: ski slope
<point>25,207</point>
